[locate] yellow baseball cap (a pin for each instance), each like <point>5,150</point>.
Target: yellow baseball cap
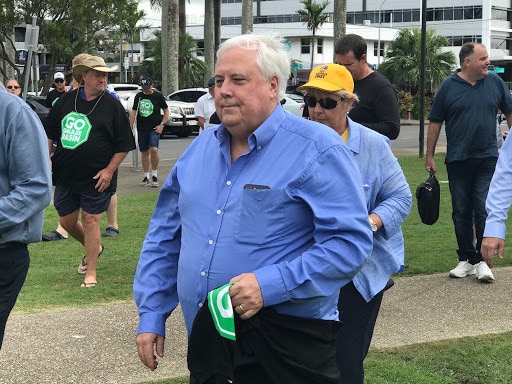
<point>330,78</point>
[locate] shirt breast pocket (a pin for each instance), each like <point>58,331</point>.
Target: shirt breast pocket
<point>368,187</point>
<point>261,216</point>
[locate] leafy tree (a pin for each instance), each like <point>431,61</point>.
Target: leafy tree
<point>131,28</point>
<point>9,18</point>
<point>66,27</point>
<point>402,59</point>
<point>192,71</point>
<point>314,17</point>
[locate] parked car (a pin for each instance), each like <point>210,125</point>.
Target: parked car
<point>188,95</point>
<point>293,106</point>
<point>291,92</point>
<point>182,121</point>
<point>124,91</point>
<point>38,104</point>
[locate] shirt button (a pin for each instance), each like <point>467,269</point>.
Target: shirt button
<point>210,242</point>
<point>228,182</point>
<point>200,305</point>
<point>203,273</point>
<point>219,211</point>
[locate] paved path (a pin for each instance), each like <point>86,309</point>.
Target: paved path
<point>96,345</point>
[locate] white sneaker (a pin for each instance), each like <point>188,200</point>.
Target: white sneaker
<point>463,269</point>
<point>484,273</point>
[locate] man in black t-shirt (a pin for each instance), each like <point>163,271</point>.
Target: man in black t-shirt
<point>150,124</point>
<point>93,137</point>
<point>60,88</point>
<point>377,107</point>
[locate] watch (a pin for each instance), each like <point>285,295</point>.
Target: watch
<point>373,225</point>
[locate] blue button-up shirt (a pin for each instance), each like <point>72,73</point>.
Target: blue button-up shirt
<point>304,231</point>
<point>389,196</point>
<point>499,197</point>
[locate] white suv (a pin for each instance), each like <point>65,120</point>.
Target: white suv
<point>124,91</point>
<point>182,120</point>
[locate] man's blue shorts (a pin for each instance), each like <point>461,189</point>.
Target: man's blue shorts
<point>148,140</point>
<point>66,201</point>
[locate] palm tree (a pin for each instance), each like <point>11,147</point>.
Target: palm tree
<point>247,22</point>
<point>192,70</point>
<point>314,17</point>
<point>339,15</point>
<point>402,59</point>
<point>209,36</point>
<point>170,45</point>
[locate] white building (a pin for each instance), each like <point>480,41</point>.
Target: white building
<point>485,21</point>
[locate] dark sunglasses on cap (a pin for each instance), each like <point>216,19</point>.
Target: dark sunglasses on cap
<point>325,102</point>
<point>59,80</point>
<point>13,87</point>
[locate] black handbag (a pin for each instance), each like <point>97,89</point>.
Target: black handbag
<point>428,195</point>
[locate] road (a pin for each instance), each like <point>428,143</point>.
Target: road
<point>130,172</point>
<point>407,143</point>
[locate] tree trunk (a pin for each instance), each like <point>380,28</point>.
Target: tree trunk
<point>339,21</point>
<point>209,38</point>
<point>247,11</point>
<point>183,17</point>
<point>313,38</point>
<point>217,6</point>
<point>170,45</point>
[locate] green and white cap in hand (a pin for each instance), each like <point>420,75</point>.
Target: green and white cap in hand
<point>219,303</point>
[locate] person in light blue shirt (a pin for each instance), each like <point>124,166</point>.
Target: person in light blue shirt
<point>329,97</point>
<point>25,191</point>
<point>269,201</point>
<point>497,205</point>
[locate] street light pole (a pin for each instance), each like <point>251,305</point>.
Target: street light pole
<point>378,44</point>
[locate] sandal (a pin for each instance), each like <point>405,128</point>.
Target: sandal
<point>82,268</point>
<point>87,285</point>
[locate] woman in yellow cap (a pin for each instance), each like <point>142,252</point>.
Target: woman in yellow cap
<point>329,97</point>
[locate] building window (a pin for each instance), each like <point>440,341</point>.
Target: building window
<point>375,49</point>
<point>498,42</point>
<point>19,34</point>
<point>448,13</point>
<point>305,46</point>
<point>319,45</point>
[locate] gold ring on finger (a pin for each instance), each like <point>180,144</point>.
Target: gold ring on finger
<point>241,308</point>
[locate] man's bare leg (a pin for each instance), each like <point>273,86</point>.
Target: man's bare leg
<point>92,243</point>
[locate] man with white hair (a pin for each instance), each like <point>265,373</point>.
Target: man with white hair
<point>252,203</point>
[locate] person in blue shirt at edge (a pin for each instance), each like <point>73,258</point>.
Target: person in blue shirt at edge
<point>274,220</point>
<point>25,191</point>
<point>329,97</point>
<point>467,103</point>
<point>497,205</point>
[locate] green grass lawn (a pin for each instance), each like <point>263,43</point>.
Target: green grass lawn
<point>52,283</point>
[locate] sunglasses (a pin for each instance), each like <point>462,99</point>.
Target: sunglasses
<point>13,87</point>
<point>325,102</point>
<point>59,80</point>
